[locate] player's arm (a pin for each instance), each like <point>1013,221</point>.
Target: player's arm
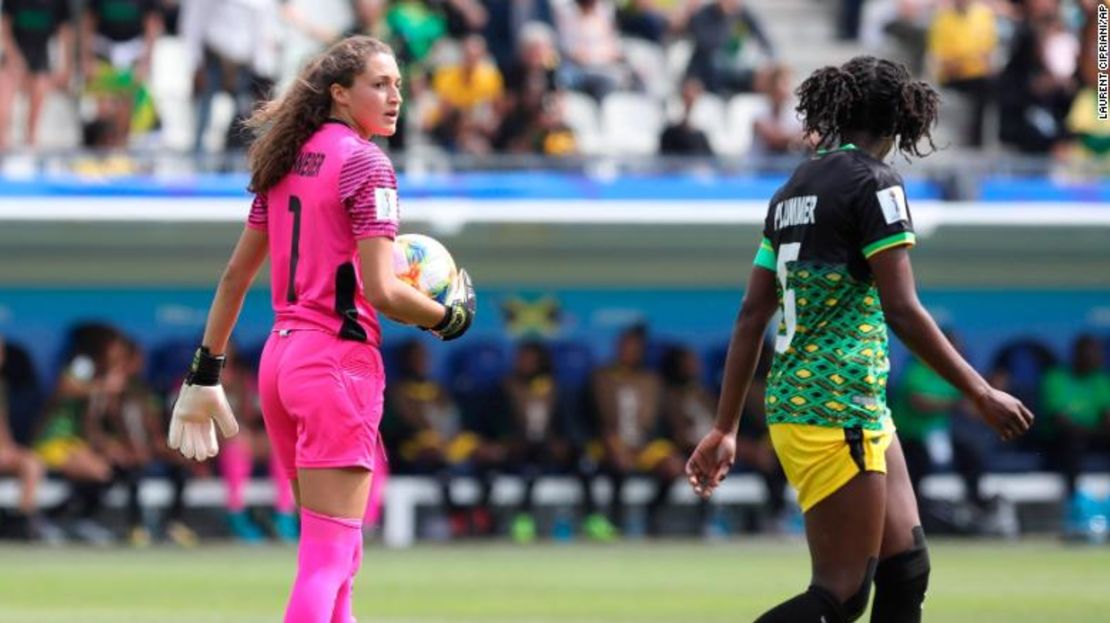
<point>910,321</point>
<point>202,403</point>
<point>757,309</point>
<point>404,303</point>
<point>713,458</point>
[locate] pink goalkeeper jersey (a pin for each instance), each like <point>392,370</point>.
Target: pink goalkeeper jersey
<point>341,189</point>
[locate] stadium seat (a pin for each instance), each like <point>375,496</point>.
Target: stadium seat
<point>1025,361</point>
<point>678,55</point>
<point>172,91</point>
<point>168,362</point>
<point>475,372</point>
<point>646,59</point>
<point>583,117</point>
<point>631,124</point>
<point>708,115</point>
<point>736,138</point>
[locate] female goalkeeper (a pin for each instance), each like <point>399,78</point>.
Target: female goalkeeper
<point>835,261</point>
<point>326,210</point>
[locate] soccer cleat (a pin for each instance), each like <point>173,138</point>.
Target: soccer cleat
<point>523,528</point>
<point>599,528</point>
<point>243,527</point>
<point>286,528</point>
<point>181,535</point>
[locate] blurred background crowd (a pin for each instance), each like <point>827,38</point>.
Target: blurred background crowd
<point>530,409</point>
<point>547,77</point>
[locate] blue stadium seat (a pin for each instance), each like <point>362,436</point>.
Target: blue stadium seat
<point>714,367</point>
<point>475,372</point>
<point>168,362</point>
<point>1025,361</point>
<point>573,363</point>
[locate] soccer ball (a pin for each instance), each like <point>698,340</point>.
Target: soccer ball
<point>425,264</point>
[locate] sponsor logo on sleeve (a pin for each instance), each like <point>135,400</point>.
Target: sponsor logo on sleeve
<point>385,203</point>
<point>893,202</point>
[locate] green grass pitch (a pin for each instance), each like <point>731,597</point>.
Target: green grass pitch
<point>973,582</point>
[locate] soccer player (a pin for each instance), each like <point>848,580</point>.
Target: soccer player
<point>834,259</point>
<point>326,209</point>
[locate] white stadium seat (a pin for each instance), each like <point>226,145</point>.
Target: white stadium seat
<point>581,114</point>
<point>631,124</point>
<point>742,112</point>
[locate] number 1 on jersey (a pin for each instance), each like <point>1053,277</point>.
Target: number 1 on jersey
<point>787,253</point>
<point>295,208</point>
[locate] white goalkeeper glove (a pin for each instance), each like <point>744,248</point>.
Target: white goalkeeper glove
<point>461,304</point>
<point>201,406</point>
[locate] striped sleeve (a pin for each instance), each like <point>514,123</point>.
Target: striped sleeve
<point>765,256</point>
<point>259,217</point>
<point>368,188</point>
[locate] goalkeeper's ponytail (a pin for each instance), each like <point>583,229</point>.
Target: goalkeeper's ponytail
<point>282,125</point>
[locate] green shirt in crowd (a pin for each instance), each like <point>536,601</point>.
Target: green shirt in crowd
<point>1084,400</point>
<point>920,380</point>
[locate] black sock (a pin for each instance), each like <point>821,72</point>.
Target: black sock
<point>900,584</point>
<point>816,605</point>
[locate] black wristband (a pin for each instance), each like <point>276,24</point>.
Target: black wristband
<point>206,368</point>
<point>445,321</point>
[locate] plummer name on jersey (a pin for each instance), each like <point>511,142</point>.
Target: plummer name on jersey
<point>795,211</point>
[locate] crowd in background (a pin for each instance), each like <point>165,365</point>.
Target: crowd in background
<point>501,76</point>
<point>541,409</point>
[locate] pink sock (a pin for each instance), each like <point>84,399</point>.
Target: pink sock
<point>283,496</point>
<point>377,489</point>
<point>235,465</point>
<point>342,613</point>
<point>326,562</point>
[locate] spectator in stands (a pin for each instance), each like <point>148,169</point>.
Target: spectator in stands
<point>506,25</point>
<point>231,47</point>
<point>628,400</point>
<point>722,32</point>
<point>62,443</point>
<point>925,409</point>
<point>117,42</point>
<point>115,432</point>
<point>1077,403</point>
<point>532,116</point>
<point>467,92</point>
<point>22,463</point>
<point>432,440</point>
<point>141,403</point>
<point>591,48</point>
<point>26,28</point>
<point>1092,133</point>
<point>536,444</point>
<point>1037,86</point>
<point>643,19</point>
<point>241,453</point>
<point>681,138</point>
<point>898,29</point>
<point>962,42</point>
<point>777,130</point>
<point>689,411</point>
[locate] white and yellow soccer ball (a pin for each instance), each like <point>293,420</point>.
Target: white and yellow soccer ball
<point>425,264</point>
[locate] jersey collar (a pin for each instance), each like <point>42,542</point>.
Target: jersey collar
<point>844,147</point>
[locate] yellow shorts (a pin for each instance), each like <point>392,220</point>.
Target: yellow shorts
<point>819,460</point>
<point>55,452</point>
<point>457,450</point>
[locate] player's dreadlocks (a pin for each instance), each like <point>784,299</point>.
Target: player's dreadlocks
<point>869,94</point>
<point>281,126</point>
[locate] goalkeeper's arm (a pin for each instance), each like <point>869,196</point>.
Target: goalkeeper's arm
<point>404,303</point>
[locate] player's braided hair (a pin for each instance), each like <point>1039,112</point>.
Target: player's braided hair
<point>869,94</point>
<point>282,125</point>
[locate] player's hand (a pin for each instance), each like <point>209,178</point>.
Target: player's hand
<point>461,304</point>
<point>201,406</point>
<point>1004,413</point>
<point>711,462</point>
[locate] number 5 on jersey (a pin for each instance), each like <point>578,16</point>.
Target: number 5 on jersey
<point>787,253</point>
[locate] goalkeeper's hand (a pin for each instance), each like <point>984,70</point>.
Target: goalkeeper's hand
<point>200,407</point>
<point>460,304</point>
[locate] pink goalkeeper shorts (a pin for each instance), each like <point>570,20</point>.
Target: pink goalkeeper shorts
<point>322,400</point>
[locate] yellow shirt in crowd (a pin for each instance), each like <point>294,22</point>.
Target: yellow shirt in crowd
<point>961,43</point>
<point>462,89</point>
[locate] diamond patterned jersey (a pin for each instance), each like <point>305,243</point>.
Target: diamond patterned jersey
<point>831,366</point>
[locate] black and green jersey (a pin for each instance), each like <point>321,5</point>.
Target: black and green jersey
<point>837,210</point>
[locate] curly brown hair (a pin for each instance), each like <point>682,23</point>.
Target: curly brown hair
<point>873,95</point>
<point>282,125</point>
